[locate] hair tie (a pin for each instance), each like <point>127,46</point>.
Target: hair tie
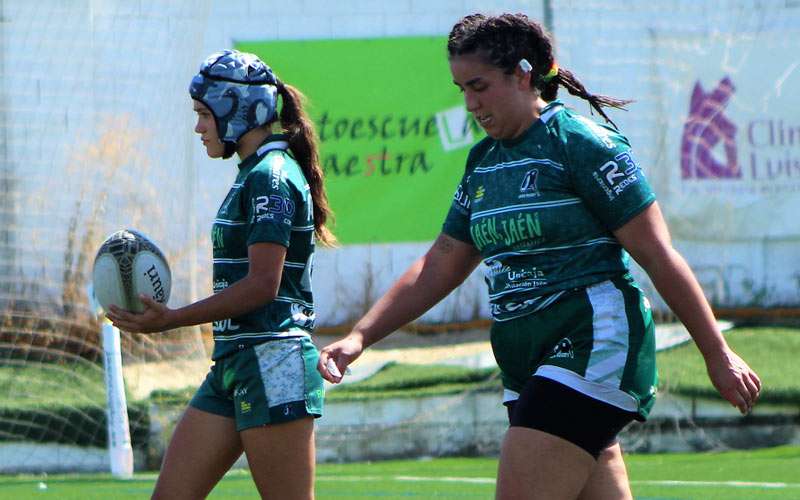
<point>551,74</point>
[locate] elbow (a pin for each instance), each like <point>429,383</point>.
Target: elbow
<point>270,291</point>
<point>263,290</point>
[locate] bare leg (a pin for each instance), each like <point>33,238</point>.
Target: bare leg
<point>203,447</point>
<point>609,479</point>
<point>535,465</point>
<point>281,459</point>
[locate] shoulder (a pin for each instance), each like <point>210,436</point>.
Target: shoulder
<point>278,169</point>
<point>580,133</point>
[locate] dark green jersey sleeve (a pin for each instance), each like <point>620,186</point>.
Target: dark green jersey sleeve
<point>604,172</point>
<point>456,224</point>
<point>271,204</point>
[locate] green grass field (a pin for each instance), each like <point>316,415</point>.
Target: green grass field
<point>770,351</point>
<point>770,474</point>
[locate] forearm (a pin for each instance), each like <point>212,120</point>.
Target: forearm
<point>429,279</point>
<point>677,285</point>
<point>417,290</point>
<point>242,297</point>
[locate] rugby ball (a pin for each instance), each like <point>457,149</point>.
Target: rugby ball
<point>126,265</point>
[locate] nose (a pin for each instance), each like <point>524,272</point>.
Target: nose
<point>198,127</point>
<point>471,101</point>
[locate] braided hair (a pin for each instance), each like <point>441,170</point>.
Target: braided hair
<point>506,39</point>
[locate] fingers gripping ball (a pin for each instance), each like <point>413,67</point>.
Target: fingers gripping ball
<point>129,264</point>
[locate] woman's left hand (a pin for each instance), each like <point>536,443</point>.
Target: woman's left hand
<point>734,379</point>
<point>156,317</point>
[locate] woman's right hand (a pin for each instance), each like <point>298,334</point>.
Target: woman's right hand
<point>334,359</point>
<point>734,379</point>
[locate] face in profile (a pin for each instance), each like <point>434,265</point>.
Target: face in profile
<point>207,128</point>
<point>499,102</point>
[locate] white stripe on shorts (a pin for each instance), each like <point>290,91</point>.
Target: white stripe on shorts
<point>509,395</point>
<point>611,331</point>
<point>601,392</point>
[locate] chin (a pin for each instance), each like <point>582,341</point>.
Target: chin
<point>214,153</point>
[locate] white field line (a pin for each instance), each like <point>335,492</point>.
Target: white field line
<point>732,484</point>
<point>491,480</point>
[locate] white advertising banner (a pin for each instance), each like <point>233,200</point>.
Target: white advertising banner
<point>733,147</point>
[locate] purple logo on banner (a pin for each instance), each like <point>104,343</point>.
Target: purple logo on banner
<point>705,127</point>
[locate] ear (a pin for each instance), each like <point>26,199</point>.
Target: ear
<point>523,78</point>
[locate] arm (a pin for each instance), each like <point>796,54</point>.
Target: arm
<point>427,281</point>
<point>647,239</point>
<point>258,287</point>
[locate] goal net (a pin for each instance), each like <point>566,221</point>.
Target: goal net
<point>94,128</point>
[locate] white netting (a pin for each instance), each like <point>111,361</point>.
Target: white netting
<point>94,115</point>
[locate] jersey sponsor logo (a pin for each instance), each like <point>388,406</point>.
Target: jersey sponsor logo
<point>277,174</point>
<point>494,269</point>
<point>220,284</point>
<point>525,278</point>
<point>273,207</point>
<point>508,230</point>
<point>216,238</point>
<point>614,176</point>
<point>224,325</point>
<point>563,349</point>
<point>528,188</point>
<point>302,316</point>
<point>461,198</point>
<point>479,193</point>
<point>510,307</point>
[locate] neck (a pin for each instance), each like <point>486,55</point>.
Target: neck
<point>250,141</point>
<point>530,115</point>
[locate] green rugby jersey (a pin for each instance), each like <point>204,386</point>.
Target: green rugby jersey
<point>540,209</point>
<point>270,201</point>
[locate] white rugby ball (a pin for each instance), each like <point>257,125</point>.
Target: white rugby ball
<point>129,264</point>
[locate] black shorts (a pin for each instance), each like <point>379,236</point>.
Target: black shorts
<point>554,408</point>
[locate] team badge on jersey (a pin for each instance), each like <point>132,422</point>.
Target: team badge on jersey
<point>563,349</point>
<point>528,188</point>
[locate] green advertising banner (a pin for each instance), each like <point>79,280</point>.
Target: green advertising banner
<point>393,129</point>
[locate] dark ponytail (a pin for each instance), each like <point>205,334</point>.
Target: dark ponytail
<point>303,145</point>
<point>507,39</point>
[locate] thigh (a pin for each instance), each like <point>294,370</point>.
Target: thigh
<point>535,465</point>
<point>609,478</point>
<point>557,438</point>
<point>203,447</point>
<point>281,459</point>
<point>560,410</point>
